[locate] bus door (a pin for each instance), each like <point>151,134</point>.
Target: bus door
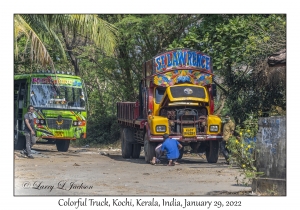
<point>20,104</point>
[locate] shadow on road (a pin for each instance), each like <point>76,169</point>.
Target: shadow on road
<point>193,162</point>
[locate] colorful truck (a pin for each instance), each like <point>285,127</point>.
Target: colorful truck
<point>60,103</point>
<point>176,96</point>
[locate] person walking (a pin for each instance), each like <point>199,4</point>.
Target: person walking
<point>228,130</point>
<point>29,131</point>
<point>172,147</point>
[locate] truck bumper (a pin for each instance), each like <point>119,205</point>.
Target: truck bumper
<point>188,139</point>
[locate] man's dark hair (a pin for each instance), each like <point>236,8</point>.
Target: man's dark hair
<point>28,108</point>
<point>165,136</point>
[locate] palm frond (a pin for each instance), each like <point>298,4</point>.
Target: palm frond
<point>38,51</point>
<point>102,33</point>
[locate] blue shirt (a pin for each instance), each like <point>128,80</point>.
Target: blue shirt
<point>171,146</point>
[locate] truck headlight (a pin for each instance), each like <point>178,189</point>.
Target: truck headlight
<point>213,128</point>
<point>160,128</point>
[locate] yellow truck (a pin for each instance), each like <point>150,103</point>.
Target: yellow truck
<point>176,96</point>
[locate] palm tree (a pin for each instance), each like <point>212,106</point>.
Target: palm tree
<point>58,27</point>
<point>38,51</point>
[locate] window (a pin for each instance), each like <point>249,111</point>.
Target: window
<point>65,97</point>
<point>159,93</point>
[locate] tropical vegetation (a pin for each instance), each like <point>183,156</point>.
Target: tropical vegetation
<point>108,51</point>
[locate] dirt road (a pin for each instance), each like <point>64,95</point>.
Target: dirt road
<point>84,171</point>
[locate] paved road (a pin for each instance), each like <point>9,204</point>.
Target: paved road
<point>84,171</point>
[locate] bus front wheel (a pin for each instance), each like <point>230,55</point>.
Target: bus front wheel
<point>62,145</point>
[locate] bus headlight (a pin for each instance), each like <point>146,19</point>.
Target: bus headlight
<point>40,121</point>
<point>79,123</point>
<point>160,128</point>
<point>213,128</point>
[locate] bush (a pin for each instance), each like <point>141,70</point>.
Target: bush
<point>242,149</point>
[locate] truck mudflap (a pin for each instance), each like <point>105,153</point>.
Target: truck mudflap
<point>190,139</point>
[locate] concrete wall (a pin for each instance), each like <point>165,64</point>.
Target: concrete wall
<point>271,156</point>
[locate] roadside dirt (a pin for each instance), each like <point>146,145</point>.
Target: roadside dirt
<point>96,171</point>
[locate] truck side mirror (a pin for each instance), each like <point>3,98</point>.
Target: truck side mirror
<point>214,89</point>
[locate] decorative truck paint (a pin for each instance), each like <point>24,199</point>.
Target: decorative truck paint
<point>175,97</point>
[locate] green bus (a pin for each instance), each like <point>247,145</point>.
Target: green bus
<point>60,103</point>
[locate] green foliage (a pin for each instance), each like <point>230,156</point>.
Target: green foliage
<point>66,32</point>
<point>102,130</point>
<point>238,45</point>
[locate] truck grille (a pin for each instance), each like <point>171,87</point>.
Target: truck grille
<point>186,121</point>
<point>186,118</point>
<point>66,125</point>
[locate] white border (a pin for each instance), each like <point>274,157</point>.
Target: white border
<point>8,8</point>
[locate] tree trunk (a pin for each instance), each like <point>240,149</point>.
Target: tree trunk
<point>69,47</point>
<point>222,103</point>
<point>100,95</point>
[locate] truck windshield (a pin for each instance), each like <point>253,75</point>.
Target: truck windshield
<point>62,97</point>
<point>159,93</point>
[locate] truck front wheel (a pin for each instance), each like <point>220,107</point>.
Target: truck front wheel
<point>212,152</point>
<point>62,145</point>
<point>149,149</point>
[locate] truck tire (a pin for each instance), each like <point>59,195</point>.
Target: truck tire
<point>20,143</point>
<point>181,152</point>
<point>212,152</point>
<point>136,150</point>
<point>126,146</point>
<point>62,145</point>
<point>149,149</point>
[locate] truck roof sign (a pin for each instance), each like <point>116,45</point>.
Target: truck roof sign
<point>181,59</point>
<point>179,66</point>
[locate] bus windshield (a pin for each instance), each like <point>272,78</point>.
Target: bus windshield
<point>62,97</point>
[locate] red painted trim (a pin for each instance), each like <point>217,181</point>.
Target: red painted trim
<point>143,124</point>
<point>194,139</point>
<point>150,98</point>
<point>84,135</point>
